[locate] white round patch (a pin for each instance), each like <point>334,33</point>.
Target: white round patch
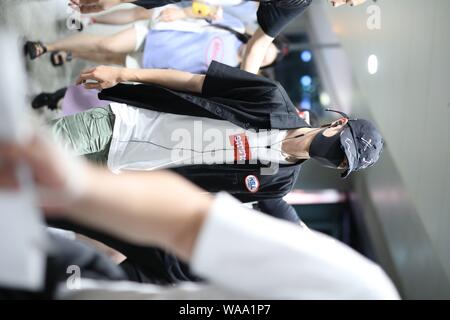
<point>252,183</point>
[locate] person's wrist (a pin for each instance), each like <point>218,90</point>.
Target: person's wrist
<point>123,75</point>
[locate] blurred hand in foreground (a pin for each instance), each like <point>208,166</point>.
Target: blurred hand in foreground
<point>56,176</point>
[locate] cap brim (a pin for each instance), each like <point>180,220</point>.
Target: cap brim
<point>349,147</point>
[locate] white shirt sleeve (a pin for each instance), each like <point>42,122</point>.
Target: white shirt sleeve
<point>267,258</point>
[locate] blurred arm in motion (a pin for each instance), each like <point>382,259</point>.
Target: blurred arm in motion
<point>145,211</point>
<point>124,16</point>
<point>226,243</point>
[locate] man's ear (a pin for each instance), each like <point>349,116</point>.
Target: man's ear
<point>340,122</point>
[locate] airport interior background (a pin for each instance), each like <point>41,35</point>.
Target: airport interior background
<point>387,61</point>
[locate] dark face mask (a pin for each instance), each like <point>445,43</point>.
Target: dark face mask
<point>327,150</point>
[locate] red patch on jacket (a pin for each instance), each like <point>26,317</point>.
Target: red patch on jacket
<point>241,147</point>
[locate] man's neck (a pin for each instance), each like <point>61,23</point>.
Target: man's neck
<point>298,148</point>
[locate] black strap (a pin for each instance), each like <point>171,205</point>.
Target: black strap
<point>243,37</point>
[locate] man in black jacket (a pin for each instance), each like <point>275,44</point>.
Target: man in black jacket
<point>260,139</point>
<point>124,137</point>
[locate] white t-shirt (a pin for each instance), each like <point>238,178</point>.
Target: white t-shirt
<point>150,140</point>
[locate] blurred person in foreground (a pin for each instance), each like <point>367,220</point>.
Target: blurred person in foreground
<point>231,246</point>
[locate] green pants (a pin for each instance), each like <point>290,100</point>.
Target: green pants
<point>87,133</point>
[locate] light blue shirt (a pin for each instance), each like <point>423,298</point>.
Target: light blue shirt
<point>192,51</point>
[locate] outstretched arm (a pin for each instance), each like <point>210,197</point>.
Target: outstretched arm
<point>107,77</point>
<point>125,16</point>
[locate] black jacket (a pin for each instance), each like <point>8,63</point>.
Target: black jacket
<point>247,100</point>
<point>231,178</point>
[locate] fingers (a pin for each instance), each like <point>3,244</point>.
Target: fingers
<point>87,6</point>
<point>97,86</point>
<point>101,77</point>
<point>163,17</point>
<point>91,8</point>
<point>87,2</point>
<point>169,14</point>
<point>91,85</point>
<point>74,6</point>
<point>87,76</point>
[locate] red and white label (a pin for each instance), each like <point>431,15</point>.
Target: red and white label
<point>241,147</point>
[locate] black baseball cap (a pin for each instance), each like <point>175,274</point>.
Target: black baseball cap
<point>360,141</point>
<point>362,144</point>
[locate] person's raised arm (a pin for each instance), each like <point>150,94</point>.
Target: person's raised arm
<point>256,50</point>
<point>107,77</point>
<point>124,16</point>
